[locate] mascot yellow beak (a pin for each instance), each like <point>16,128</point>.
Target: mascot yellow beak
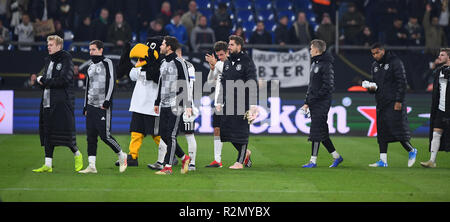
<point>139,51</point>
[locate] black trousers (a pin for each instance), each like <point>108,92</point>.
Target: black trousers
<point>169,123</point>
<point>98,123</point>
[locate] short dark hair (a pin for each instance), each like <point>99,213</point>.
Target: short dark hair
<point>239,40</point>
<point>446,50</point>
<point>220,45</point>
<point>377,45</point>
<point>172,42</point>
<point>99,44</point>
<point>319,44</point>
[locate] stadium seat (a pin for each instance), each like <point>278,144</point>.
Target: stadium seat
<point>248,26</point>
<point>263,4</point>
<point>206,12</point>
<point>283,5</point>
<point>203,4</point>
<point>289,13</point>
<point>265,15</point>
<point>242,4</point>
<point>270,25</point>
<point>244,15</point>
<point>302,5</point>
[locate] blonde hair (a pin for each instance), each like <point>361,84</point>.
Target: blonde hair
<point>57,39</point>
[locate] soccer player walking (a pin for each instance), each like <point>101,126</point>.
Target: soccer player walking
<point>214,77</point>
<point>173,88</point>
<point>234,126</point>
<point>440,110</point>
<point>56,116</point>
<point>97,106</point>
<point>389,75</point>
<point>318,102</point>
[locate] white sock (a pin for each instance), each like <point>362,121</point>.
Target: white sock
<point>162,149</point>
<point>313,159</point>
<point>48,161</point>
<point>435,143</point>
<point>77,153</point>
<point>383,157</point>
<point>217,149</point>
<point>192,147</point>
<point>91,160</point>
<point>119,153</point>
<point>335,154</point>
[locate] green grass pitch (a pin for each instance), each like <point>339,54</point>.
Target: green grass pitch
<point>276,175</point>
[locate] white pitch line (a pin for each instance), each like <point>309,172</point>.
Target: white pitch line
<point>220,191</point>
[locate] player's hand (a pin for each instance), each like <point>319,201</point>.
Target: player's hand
<point>188,112</point>
<point>38,79</point>
<point>305,107</point>
<point>156,109</point>
<point>218,108</point>
<point>211,59</point>
<point>398,106</point>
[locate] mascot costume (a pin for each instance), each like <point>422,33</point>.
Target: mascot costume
<point>145,73</point>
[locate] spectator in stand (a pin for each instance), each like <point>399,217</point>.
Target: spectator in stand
<point>353,23</point>
<point>81,9</point>
<point>25,32</point>
<point>240,32</point>
<point>42,10</point>
<point>64,13</point>
<point>84,31</point>
<point>326,30</point>
<point>261,35</point>
<point>202,34</point>
<point>191,18</point>
<point>119,32</point>
<point>397,35</point>
<point>366,37</point>
<point>434,34</point>
<point>17,8</point>
<point>221,23</point>
<point>4,36</point>
<point>165,14</point>
<point>156,29</point>
<point>282,31</point>
<point>301,32</point>
<point>30,83</point>
<point>176,29</point>
<point>100,26</point>
<point>58,29</point>
<point>414,31</point>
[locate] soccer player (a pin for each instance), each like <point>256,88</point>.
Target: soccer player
<point>100,82</point>
<point>56,116</point>
<point>234,126</point>
<point>389,75</point>
<point>440,110</point>
<point>173,89</point>
<point>214,77</point>
<point>188,125</point>
<point>318,101</point>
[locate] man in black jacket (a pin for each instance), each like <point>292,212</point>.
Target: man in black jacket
<point>239,75</point>
<point>440,110</point>
<point>389,75</point>
<point>56,116</point>
<point>318,101</point>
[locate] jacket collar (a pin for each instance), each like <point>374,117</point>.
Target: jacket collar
<point>171,57</point>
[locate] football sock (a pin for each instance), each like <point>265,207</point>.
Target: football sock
<point>162,149</point>
<point>217,149</point>
<point>407,146</point>
<point>435,143</point>
<point>48,161</point>
<point>383,157</point>
<point>313,159</point>
<point>192,146</point>
<point>77,153</point>
<point>335,155</point>
<point>135,144</point>
<point>91,160</point>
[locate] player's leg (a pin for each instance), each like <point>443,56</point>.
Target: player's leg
<point>314,153</point>
<point>332,150</point>
<point>383,146</point>
<point>217,143</point>
<point>47,167</point>
<point>435,144</point>
<point>192,149</point>
<point>412,152</point>
<point>242,153</point>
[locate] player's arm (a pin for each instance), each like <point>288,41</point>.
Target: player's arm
<point>110,84</point>
<point>65,77</point>
<point>400,82</point>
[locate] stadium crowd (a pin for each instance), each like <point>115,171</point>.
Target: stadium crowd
<point>393,22</point>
